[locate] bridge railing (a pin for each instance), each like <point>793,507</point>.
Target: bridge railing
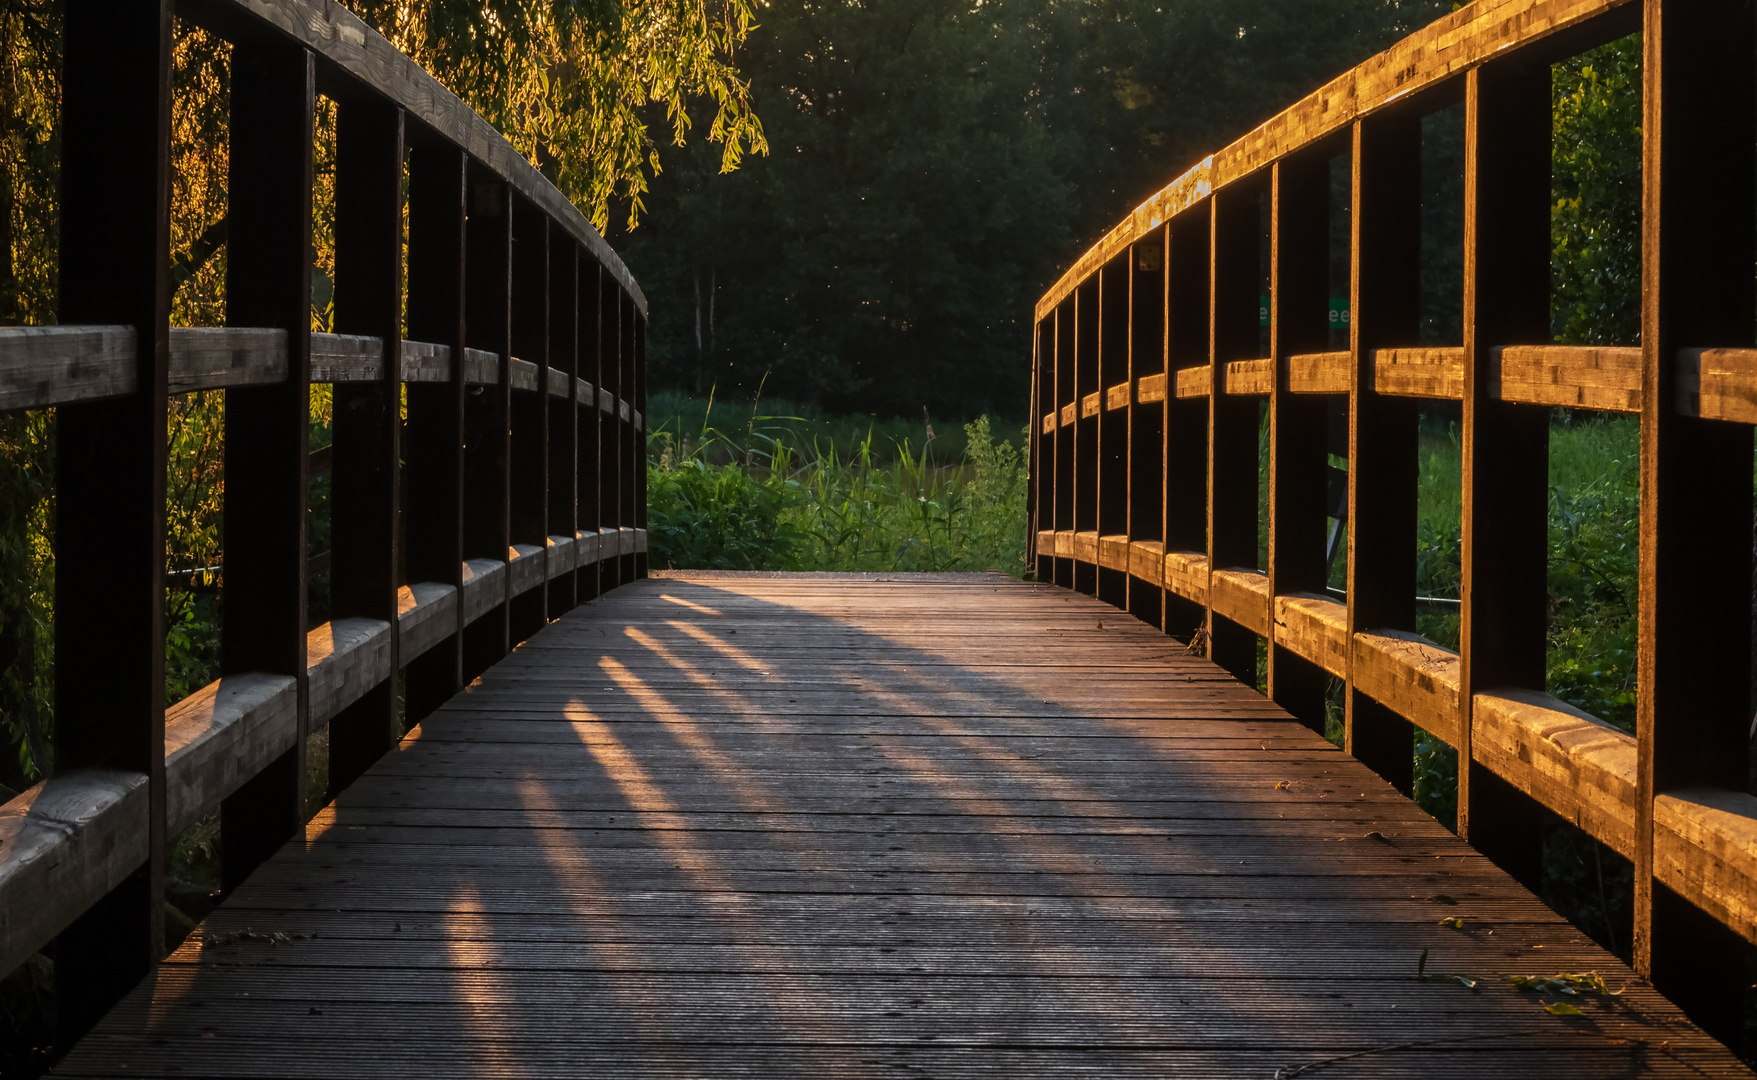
<point>497,320</point>
<point>1151,373</point>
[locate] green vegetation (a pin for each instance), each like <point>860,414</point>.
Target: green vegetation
<point>750,500</point>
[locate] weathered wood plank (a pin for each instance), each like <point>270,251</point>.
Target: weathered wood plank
<point>1411,675</point>
<point>217,357</point>
<point>1113,553</point>
<point>343,358</point>
<point>1195,382</point>
<point>484,587</point>
<point>42,366</point>
<point>1186,574</point>
<point>1319,373</point>
<point>1067,835</point>
<point>219,737</point>
<point>1718,384</point>
<point>344,659</point>
<point>1150,389</point>
<point>1571,376</point>
<point>64,844</point>
<point>1147,561</point>
<point>1250,377</point>
<point>1242,596</point>
<point>525,568</point>
<point>1315,628</point>
<point>427,614</point>
<point>424,362</point>
<point>1572,762</point>
<point>1705,847</point>
<point>524,375</point>
<point>1117,397</point>
<point>1422,373</point>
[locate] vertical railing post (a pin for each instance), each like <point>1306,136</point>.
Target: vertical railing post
<point>367,425</point>
<point>1113,425</point>
<point>1699,177</point>
<point>1063,393</point>
<point>1232,419</point>
<point>530,411</point>
<point>609,433</point>
<point>1386,242</point>
<point>434,435</point>
<point>591,455</point>
<point>267,428</point>
<point>639,404</point>
<point>1505,447</point>
<point>564,412</point>
<point>487,409</point>
<point>1299,286</point>
<point>1087,310</point>
<point>1188,251</point>
<point>110,473</point>
<point>1146,423</point>
<point>633,456</point>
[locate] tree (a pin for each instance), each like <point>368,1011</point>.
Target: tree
<point>936,165</point>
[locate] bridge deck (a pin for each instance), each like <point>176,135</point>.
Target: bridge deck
<point>829,826</point>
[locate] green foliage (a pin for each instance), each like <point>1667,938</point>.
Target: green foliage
<point>1595,220</point>
<point>1593,542</point>
<point>747,503</point>
<point>27,565</point>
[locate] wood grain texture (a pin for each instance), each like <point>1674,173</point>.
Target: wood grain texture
<point>1090,405</point>
<point>64,844</point>
<point>222,735</point>
<point>427,614</point>
<point>1147,561</point>
<point>424,362</point>
<point>1410,675</point>
<point>1113,552</point>
<point>1085,547</point>
<point>1186,574</point>
<point>1117,397</point>
<point>1315,628</point>
<point>217,357</point>
<point>481,367</point>
<point>1242,596</point>
<point>1195,382</point>
<point>524,375</point>
<point>1572,762</point>
<point>1421,373</point>
<point>343,358</point>
<point>525,568</point>
<point>1319,373</point>
<point>1571,376</point>
<point>42,366</point>
<point>1705,847</point>
<point>1250,377</point>
<point>1448,47</point>
<point>560,555</point>
<point>1718,384</point>
<point>484,587</point>
<point>344,659</point>
<point>1150,389</point>
<point>991,871</point>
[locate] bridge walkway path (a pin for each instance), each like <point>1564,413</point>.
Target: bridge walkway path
<point>875,826</point>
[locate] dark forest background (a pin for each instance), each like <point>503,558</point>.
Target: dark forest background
<point>933,167</point>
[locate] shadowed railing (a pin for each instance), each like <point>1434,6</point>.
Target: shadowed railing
<point>1154,372</point>
<point>486,477</point>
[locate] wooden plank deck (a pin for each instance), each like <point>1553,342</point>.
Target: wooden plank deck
<point>741,825</point>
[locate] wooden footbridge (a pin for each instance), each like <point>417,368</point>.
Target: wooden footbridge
<point>696,824</point>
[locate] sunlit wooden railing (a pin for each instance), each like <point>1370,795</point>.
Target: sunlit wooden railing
<point>514,491</point>
<point>1150,372</point>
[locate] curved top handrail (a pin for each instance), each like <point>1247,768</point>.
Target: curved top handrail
<point>343,42</point>
<point>1468,37</point>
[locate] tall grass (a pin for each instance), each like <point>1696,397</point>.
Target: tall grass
<point>755,499</point>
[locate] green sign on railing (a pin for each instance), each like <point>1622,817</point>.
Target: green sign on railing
<point>1338,312</point>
